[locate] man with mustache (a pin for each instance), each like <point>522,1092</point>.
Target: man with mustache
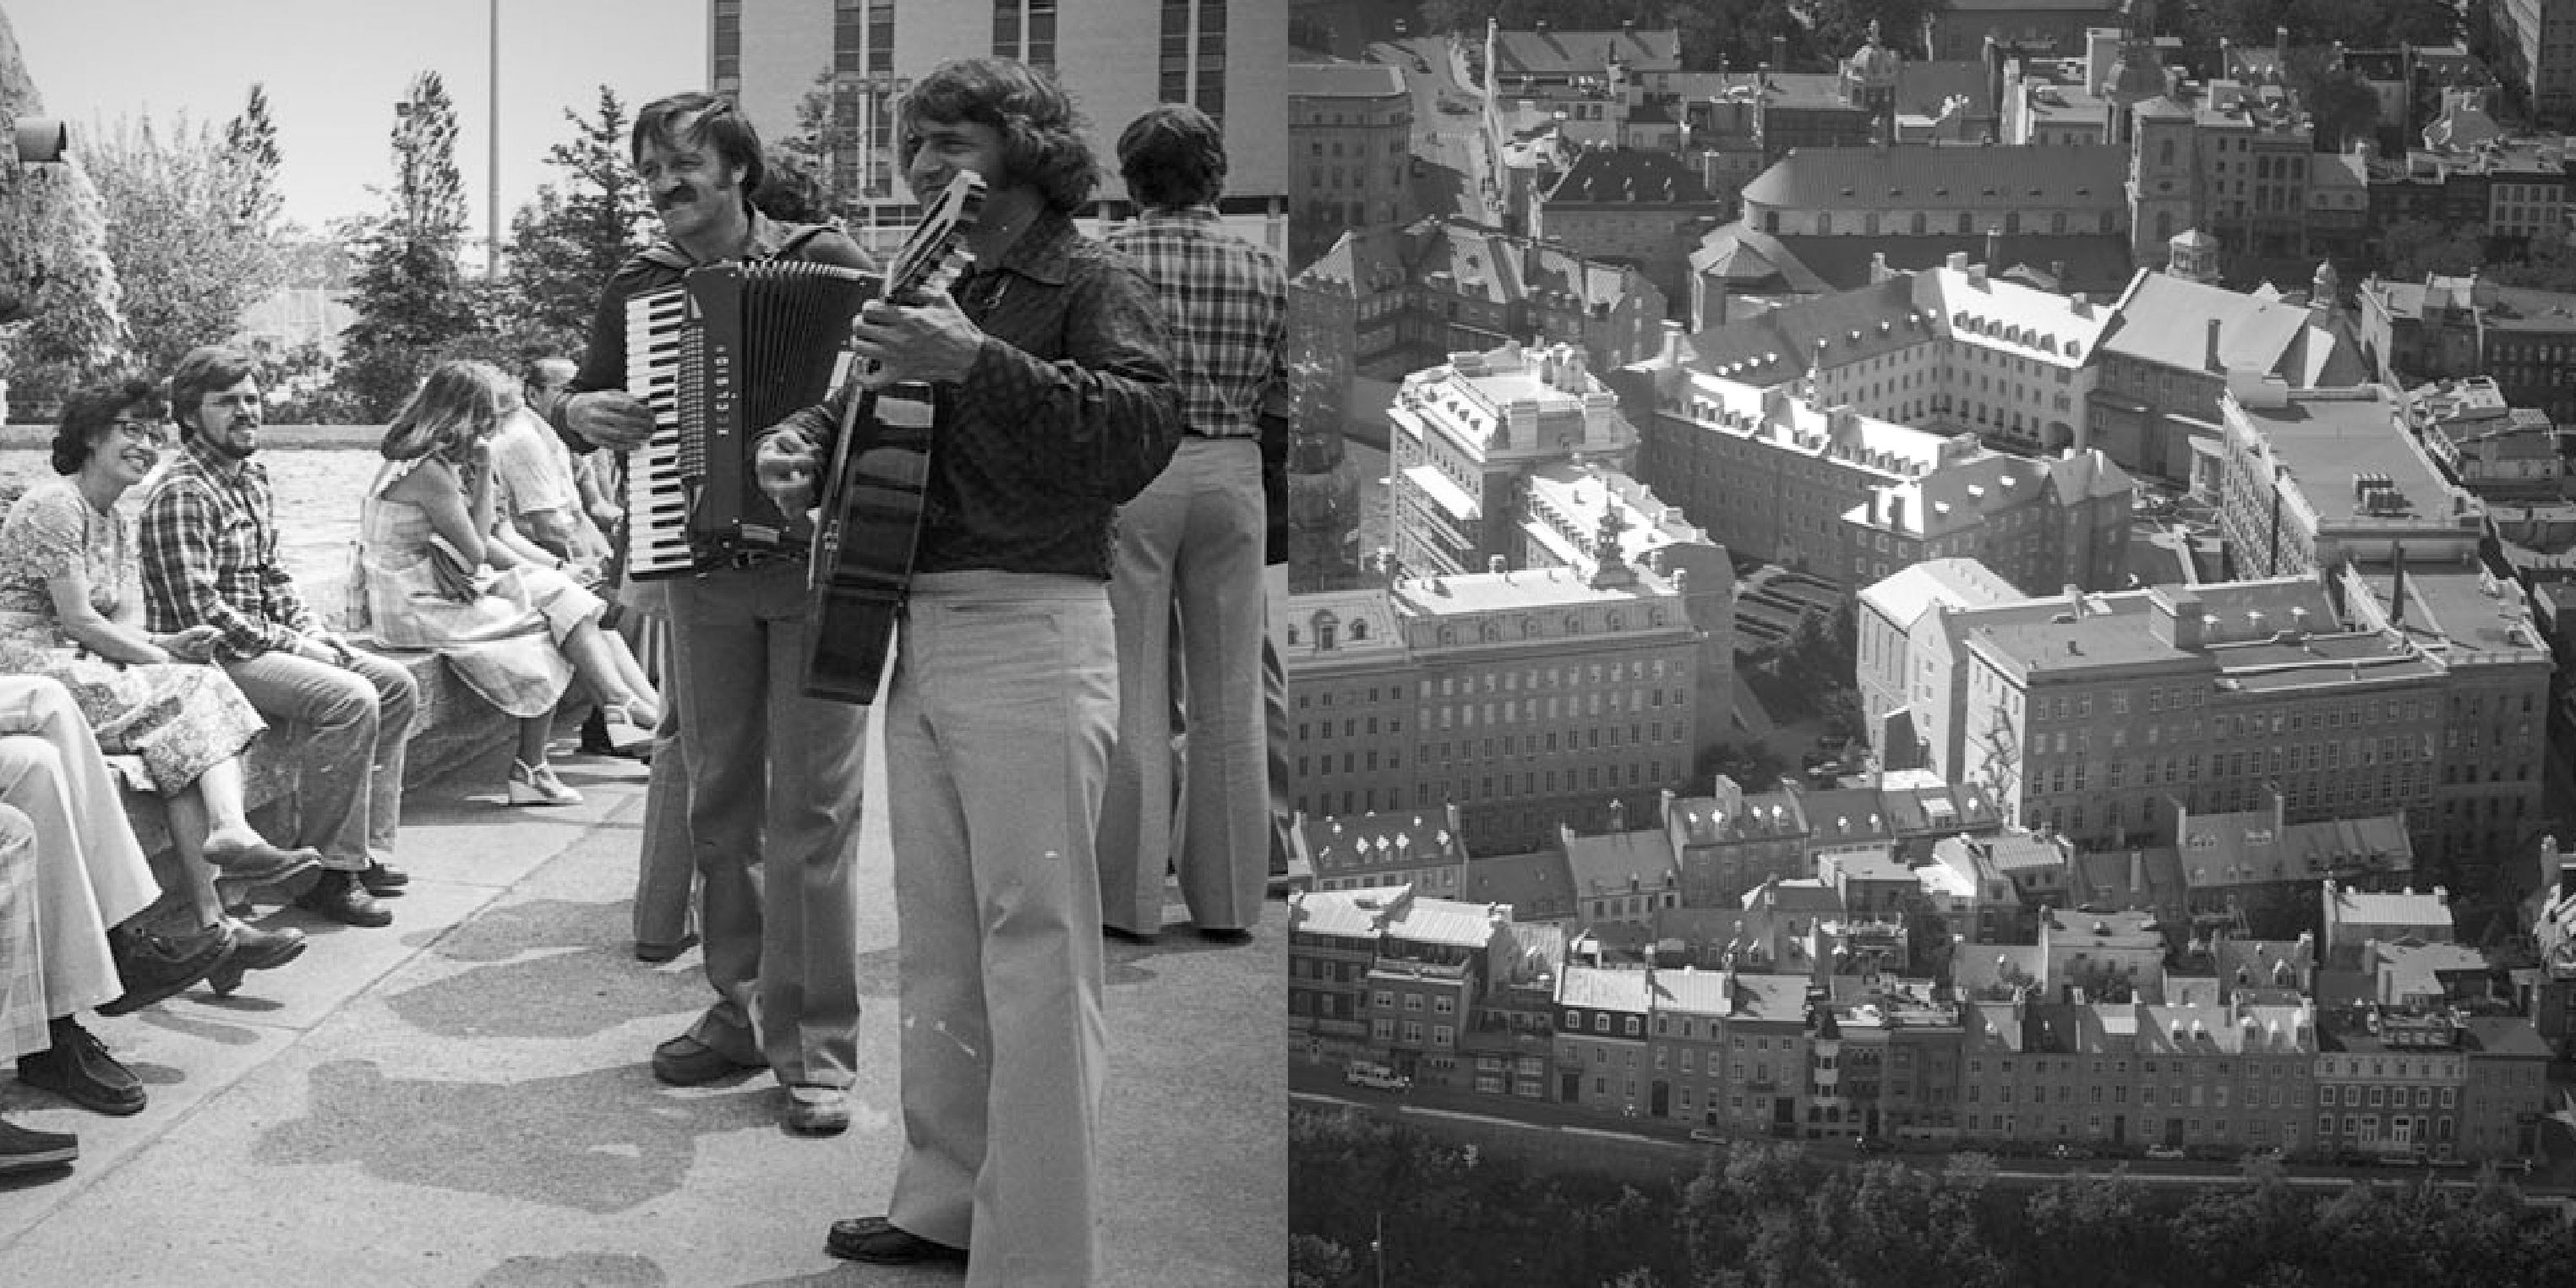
<point>208,545</point>
<point>1061,405</point>
<point>772,776</point>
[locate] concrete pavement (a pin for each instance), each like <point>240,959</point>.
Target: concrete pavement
<point>463,1099</point>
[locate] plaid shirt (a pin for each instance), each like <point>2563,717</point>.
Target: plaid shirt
<point>209,547</point>
<point>1227,300</point>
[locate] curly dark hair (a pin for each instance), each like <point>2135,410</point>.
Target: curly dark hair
<point>1041,132</point>
<point>1173,157</point>
<point>88,414</point>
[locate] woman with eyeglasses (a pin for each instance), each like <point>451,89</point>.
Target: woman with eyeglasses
<point>71,607</point>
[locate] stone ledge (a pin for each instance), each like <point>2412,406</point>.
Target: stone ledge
<point>454,727</point>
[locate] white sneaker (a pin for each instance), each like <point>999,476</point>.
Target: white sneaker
<point>539,786</point>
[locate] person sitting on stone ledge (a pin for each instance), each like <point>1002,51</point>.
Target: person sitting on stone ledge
<point>71,607</point>
<point>23,1149</point>
<point>69,938</point>
<point>209,549</point>
<point>510,621</point>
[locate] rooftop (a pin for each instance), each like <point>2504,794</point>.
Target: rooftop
<point>2086,175</point>
<point>1557,54</point>
<point>2332,440</point>
<point>2166,320</point>
<point>1631,177</point>
<point>1953,582</point>
<point>1345,80</point>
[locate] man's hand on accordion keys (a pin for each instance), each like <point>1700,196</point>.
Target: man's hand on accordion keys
<point>925,339</point>
<point>609,418</point>
<point>785,467</point>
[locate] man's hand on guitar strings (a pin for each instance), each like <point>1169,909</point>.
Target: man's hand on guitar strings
<point>785,467</point>
<point>929,341</point>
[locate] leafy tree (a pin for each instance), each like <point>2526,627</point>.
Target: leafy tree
<point>565,244</point>
<point>410,292</point>
<point>1751,764</point>
<point>826,137</point>
<point>1317,1263</point>
<point>2340,105</point>
<point>2412,248</point>
<point>2093,1230</point>
<point>1841,25</point>
<point>74,331</point>
<point>250,144</point>
<point>191,223</point>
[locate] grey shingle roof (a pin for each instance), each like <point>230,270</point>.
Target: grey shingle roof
<point>1945,178</point>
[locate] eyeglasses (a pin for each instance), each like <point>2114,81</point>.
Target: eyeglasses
<point>147,433</point>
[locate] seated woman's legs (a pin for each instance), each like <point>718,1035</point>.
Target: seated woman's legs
<point>605,664</point>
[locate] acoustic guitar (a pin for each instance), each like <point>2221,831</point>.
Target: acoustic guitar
<point>869,521</point>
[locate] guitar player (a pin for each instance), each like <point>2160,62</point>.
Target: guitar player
<point>1060,405</point>
<point>771,776</point>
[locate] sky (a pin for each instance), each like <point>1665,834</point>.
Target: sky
<point>335,68</point>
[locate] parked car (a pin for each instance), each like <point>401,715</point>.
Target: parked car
<point>1875,1145</point>
<point>2165,1153</point>
<point>1708,1135</point>
<point>2066,1151</point>
<point>1369,1073</point>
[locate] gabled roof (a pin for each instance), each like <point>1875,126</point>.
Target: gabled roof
<point>1603,988</point>
<point>2107,8</point>
<point>1390,840</point>
<point>1344,80</point>
<point>1610,863</point>
<point>1631,177</point>
<point>2053,176</point>
<point>2097,264</point>
<point>2165,320</point>
<point>1564,53</point>
<point>1884,316</point>
<point>1740,253</point>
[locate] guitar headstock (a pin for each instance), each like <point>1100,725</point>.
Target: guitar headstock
<point>935,253</point>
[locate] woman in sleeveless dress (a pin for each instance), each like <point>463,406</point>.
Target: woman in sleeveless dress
<point>440,577</point>
<point>71,607</point>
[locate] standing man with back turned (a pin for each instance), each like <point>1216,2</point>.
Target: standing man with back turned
<point>1190,548</point>
<point>773,776</point>
<point>1004,695</point>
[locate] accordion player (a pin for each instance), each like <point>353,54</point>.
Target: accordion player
<point>717,357</point>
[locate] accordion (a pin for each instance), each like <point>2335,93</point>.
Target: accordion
<point>724,354</point>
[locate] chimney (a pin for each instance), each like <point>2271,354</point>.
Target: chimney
<point>1995,250</point>
<point>2210,362</point>
<point>1672,342</point>
<point>2137,871</point>
<point>1780,53</point>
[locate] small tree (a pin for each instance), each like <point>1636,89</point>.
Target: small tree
<point>191,223</point>
<point>565,245</point>
<point>75,330</point>
<point>410,292</point>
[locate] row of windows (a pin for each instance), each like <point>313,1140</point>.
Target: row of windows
<point>1919,224</point>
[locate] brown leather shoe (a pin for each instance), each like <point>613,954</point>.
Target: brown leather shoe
<point>383,879</point>
<point>881,1242</point>
<point>254,949</point>
<point>154,967</point>
<point>341,897</point>
<point>684,1061</point>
